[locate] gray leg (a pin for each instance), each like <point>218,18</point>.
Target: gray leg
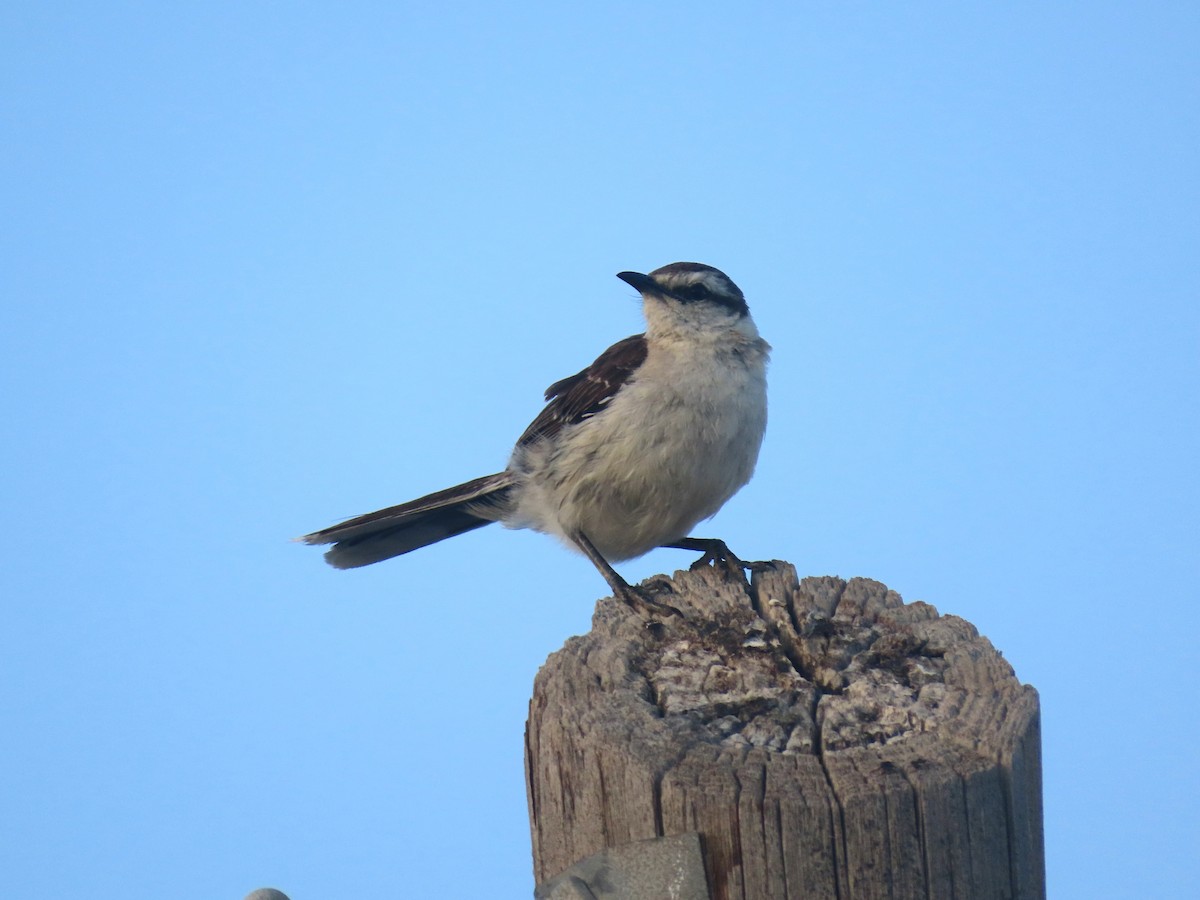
<point>621,588</point>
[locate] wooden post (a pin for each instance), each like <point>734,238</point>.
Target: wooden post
<point>825,739</point>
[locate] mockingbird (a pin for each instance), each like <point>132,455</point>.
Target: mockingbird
<point>627,455</point>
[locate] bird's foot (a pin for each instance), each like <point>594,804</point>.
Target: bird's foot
<point>642,601</point>
<point>718,555</point>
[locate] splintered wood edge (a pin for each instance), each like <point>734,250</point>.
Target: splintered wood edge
<point>836,722</point>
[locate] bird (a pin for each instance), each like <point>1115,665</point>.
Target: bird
<point>628,455</point>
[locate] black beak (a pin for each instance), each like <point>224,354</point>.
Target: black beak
<point>639,282</point>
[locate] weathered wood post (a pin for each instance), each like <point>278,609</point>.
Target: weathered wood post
<point>824,739</point>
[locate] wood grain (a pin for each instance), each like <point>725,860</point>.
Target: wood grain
<point>826,740</point>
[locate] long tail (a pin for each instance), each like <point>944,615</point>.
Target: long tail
<point>398,529</point>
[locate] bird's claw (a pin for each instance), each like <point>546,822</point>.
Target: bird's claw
<point>640,600</point>
<point>718,555</point>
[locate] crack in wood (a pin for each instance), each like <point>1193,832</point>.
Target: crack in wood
<point>823,737</point>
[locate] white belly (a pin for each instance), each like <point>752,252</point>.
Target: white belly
<point>664,455</point>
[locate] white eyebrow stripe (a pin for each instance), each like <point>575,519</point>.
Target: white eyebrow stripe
<point>714,281</point>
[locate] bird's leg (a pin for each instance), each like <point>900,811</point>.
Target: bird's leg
<point>622,589</point>
<point>715,553</point>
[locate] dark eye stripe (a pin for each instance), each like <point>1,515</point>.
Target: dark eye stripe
<point>693,292</point>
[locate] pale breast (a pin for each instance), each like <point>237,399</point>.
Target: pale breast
<point>666,454</point>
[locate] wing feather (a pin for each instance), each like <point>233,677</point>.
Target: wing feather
<point>586,393</point>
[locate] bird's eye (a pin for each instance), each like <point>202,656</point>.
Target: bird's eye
<point>693,292</point>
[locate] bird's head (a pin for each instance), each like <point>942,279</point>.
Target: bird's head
<point>690,295</point>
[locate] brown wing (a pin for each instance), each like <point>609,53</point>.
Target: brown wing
<point>585,394</point>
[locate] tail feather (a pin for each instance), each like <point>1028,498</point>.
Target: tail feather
<point>399,529</point>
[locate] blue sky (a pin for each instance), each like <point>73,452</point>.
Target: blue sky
<point>269,265</point>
